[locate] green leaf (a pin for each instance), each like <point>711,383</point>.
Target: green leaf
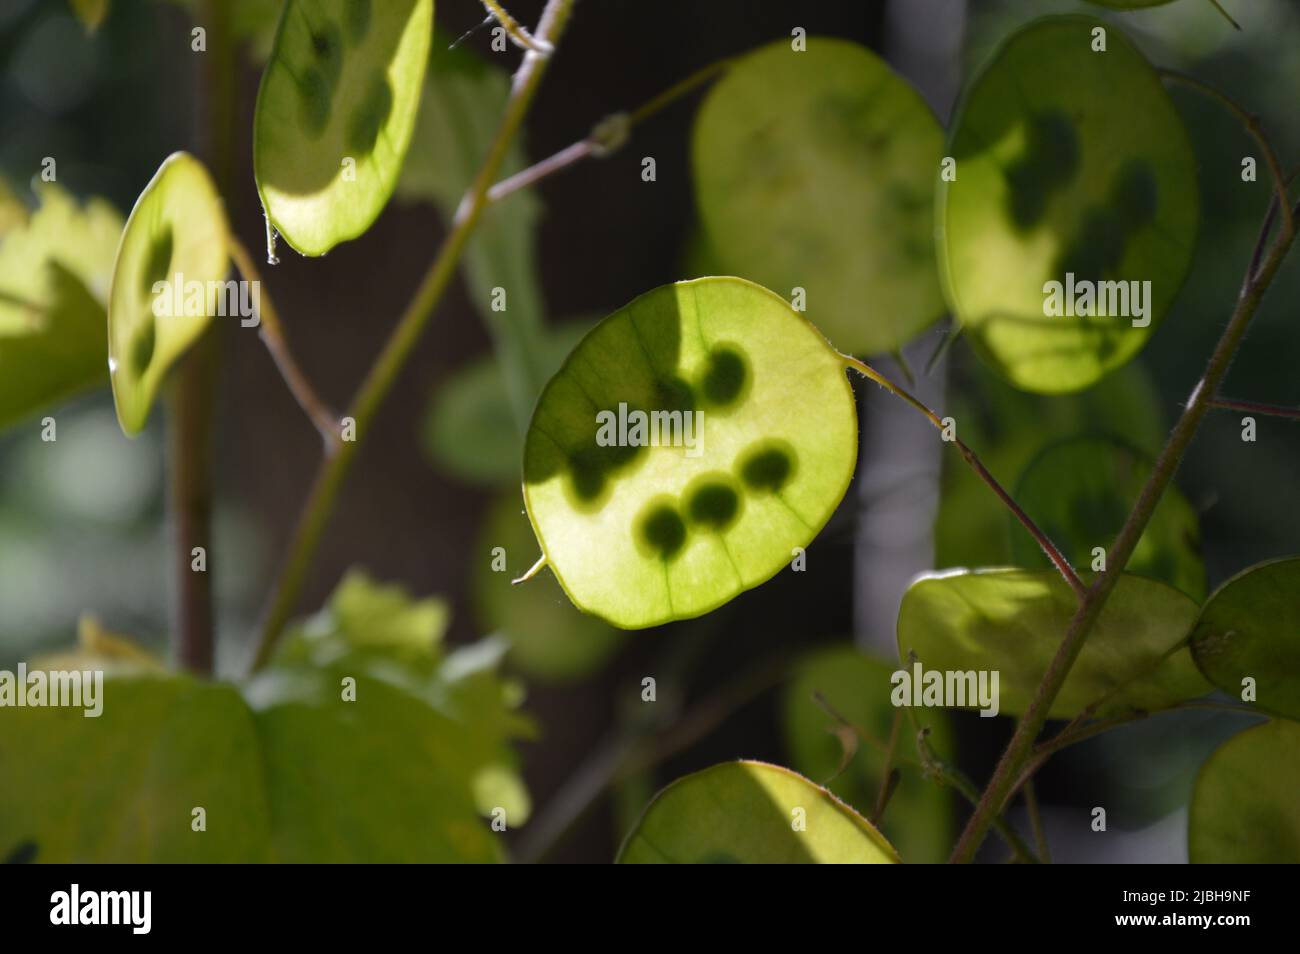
<point>1080,491</point>
<point>1013,621</point>
<point>469,428</point>
<point>91,13</point>
<point>167,282</point>
<point>816,170</point>
<point>1068,162</point>
<point>363,616</point>
<point>1244,808</point>
<point>334,115</point>
<point>463,98</point>
<point>548,638</point>
<point>919,816</point>
<point>752,813</point>
<point>292,773</point>
<point>1008,428</point>
<point>54,274</point>
<point>362,742</point>
<point>380,632</point>
<point>1250,628</point>
<point>640,535</point>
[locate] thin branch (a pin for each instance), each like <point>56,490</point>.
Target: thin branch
<point>1036,821</point>
<point>383,374</point>
<point>1009,768</point>
<point>1255,407</point>
<point>888,774</point>
<point>1252,125</point>
<point>607,136</point>
<point>272,334</point>
<point>934,768</point>
<point>1053,552</point>
<point>515,30</point>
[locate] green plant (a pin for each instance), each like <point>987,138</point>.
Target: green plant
<point>681,451</point>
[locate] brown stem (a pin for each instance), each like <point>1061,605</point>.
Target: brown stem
<point>607,136</point>
<point>272,335</point>
<point>1053,552</point>
<point>1255,407</point>
<point>383,374</point>
<point>1009,768</point>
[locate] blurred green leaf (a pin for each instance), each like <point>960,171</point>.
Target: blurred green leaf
<point>335,113</point>
<point>1080,491</point>
<point>918,819</point>
<point>167,279</point>
<point>640,535</point>
<point>752,813</point>
<point>91,13</point>
<point>54,274</point>
<point>549,639</point>
<point>1013,621</point>
<point>1250,628</point>
<point>463,98</point>
<point>816,169</point>
<point>381,632</point>
<point>1008,428</point>
<point>1068,162</point>
<point>1244,808</point>
<point>469,428</point>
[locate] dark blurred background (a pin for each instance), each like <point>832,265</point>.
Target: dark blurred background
<point>81,526</point>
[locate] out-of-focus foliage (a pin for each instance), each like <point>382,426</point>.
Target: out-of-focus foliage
<point>815,169</point>
<point>1080,490</point>
<point>463,98</point>
<point>1008,428</point>
<point>55,265</point>
<point>469,429</point>
<point>918,819</point>
<point>1071,166</point>
<point>363,741</point>
<point>549,638</point>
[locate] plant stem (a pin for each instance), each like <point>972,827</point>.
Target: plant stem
<point>1252,124</point>
<point>272,335</point>
<point>1053,552</point>
<point>1008,771</point>
<point>190,405</point>
<point>1036,821</point>
<point>607,136</point>
<point>888,778</point>
<point>1255,407</point>
<point>383,374</point>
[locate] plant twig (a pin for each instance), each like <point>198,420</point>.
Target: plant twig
<point>1255,407</point>
<point>190,393</point>
<point>1036,821</point>
<point>1053,552</point>
<point>1251,122</point>
<point>888,774</point>
<point>515,30</point>
<point>272,334</point>
<point>1009,768</point>
<point>607,136</point>
<point>383,374</point>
